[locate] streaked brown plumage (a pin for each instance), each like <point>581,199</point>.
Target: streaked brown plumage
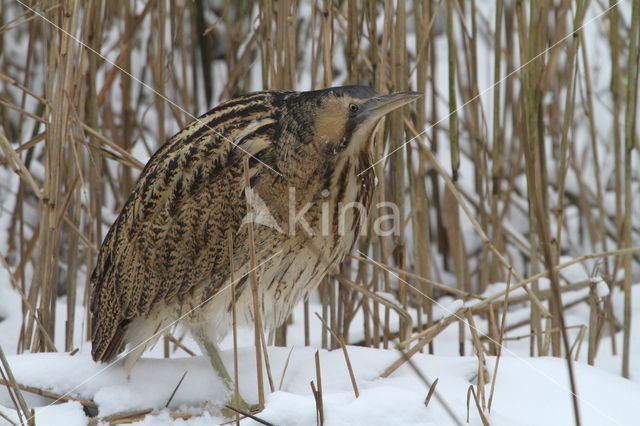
<point>167,253</point>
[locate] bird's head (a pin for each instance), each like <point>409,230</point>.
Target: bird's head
<point>345,117</point>
<point>340,121</point>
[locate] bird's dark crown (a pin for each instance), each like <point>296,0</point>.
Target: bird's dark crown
<point>355,92</point>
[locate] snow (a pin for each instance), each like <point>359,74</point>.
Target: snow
<point>10,314</point>
<point>61,415</point>
<point>529,391</point>
<point>602,289</point>
<point>453,306</point>
<point>598,403</point>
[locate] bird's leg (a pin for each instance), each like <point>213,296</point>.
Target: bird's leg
<point>213,354</point>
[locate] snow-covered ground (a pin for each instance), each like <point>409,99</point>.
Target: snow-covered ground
<point>528,391</point>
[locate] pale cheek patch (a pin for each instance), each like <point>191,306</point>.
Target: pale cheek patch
<point>331,123</point>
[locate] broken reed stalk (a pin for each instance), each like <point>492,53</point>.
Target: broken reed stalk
<point>431,386</point>
<point>472,393</point>
<point>317,391</point>
<point>432,390</point>
<point>477,345</point>
<point>307,334</point>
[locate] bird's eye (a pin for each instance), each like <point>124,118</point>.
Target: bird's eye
<point>353,107</point>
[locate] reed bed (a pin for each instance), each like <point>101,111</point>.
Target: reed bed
<point>517,164</point>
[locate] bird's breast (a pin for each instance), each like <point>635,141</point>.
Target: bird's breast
<point>300,234</point>
<point>327,221</point>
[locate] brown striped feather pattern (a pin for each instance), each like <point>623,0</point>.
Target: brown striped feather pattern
<point>165,258</point>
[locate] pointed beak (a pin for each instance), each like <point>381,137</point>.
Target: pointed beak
<point>377,107</point>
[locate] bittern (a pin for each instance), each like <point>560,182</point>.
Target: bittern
<point>182,236</point>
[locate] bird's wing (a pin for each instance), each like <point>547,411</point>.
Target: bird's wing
<point>171,234</point>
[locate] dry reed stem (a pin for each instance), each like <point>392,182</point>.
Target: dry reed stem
<point>317,392</point>
<point>430,333</point>
<point>432,390</point>
<point>247,415</point>
<point>352,376</point>
<point>577,345</point>
<point>522,283</point>
<point>33,313</point>
<point>122,155</point>
<point>234,325</point>
<point>503,325</point>
<point>440,286</point>
<point>483,417</point>
<point>13,388</point>
<point>7,419</point>
<point>179,344</point>
<point>18,166</point>
<point>175,389</point>
<point>550,331</point>
<point>477,345</point>
<point>284,369</point>
<point>629,145</point>
<point>379,299</point>
<point>267,364</point>
<point>13,82</point>
<point>258,330</point>
<point>452,187</point>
